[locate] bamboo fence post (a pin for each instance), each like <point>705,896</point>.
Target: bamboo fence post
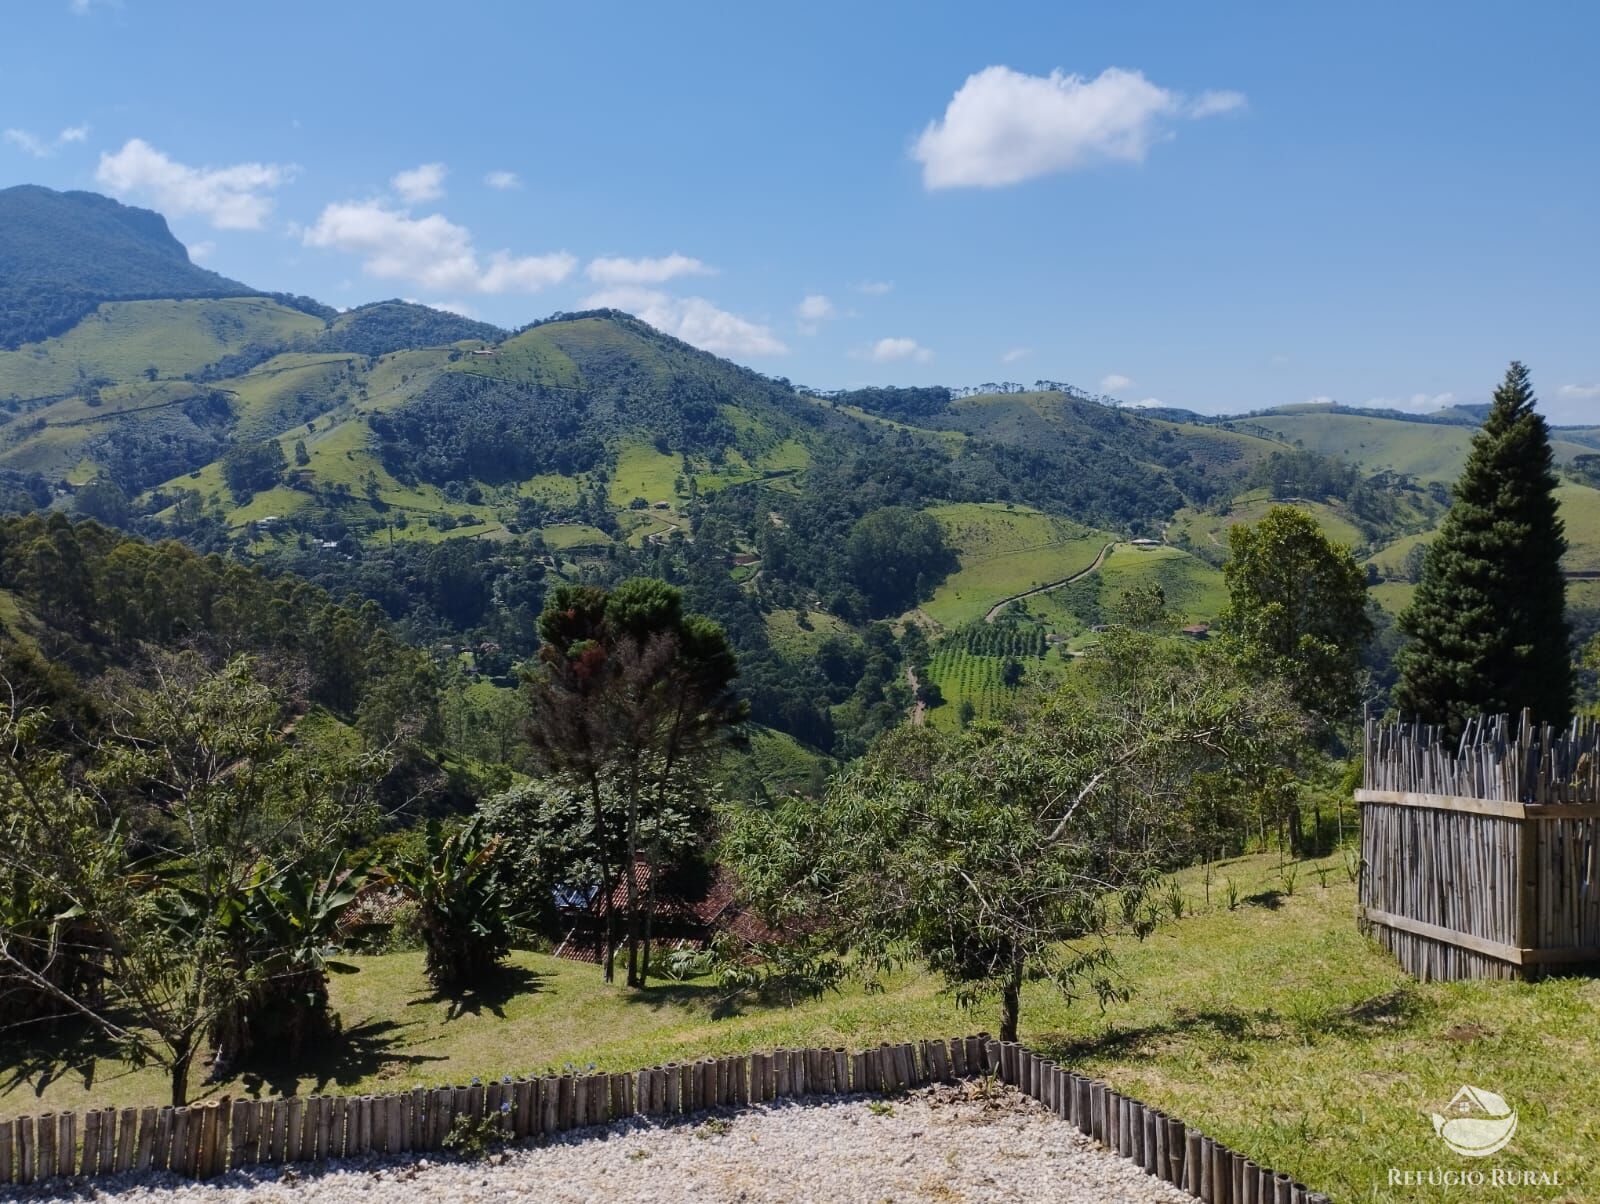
<point>47,1145</point>
<point>1192,1142</point>
<point>7,1146</point>
<point>27,1150</point>
<point>1282,1189</point>
<point>324,1144</point>
<point>89,1164</point>
<point>144,1151</point>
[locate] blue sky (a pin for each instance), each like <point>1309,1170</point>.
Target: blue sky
<point>1217,206</point>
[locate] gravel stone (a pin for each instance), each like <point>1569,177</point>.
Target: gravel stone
<point>944,1144</point>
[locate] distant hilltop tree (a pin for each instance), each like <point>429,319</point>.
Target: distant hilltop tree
<point>1488,624</point>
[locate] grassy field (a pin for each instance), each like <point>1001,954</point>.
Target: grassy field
<point>1274,1025</point>
<point>793,640</point>
<point>122,339</point>
<point>1424,450</point>
<point>1208,532</point>
<point>1005,550</point>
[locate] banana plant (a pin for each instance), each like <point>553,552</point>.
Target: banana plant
<point>466,907</point>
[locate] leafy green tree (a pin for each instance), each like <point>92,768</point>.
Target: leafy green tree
<point>1297,610</point>
<point>991,856</point>
<point>895,554</point>
<point>1488,623</point>
<point>251,467</point>
<point>149,855</point>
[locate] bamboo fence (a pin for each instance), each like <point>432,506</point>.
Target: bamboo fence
<point>213,1138</point>
<point>1481,856</point>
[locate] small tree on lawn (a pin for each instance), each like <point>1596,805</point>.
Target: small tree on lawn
<point>991,856</point>
<point>1488,623</point>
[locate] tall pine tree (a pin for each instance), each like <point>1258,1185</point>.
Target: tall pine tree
<point>1488,624</point>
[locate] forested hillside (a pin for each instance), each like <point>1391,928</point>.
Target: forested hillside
<point>454,473</point>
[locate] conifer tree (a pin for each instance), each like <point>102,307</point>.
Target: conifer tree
<point>1488,624</point>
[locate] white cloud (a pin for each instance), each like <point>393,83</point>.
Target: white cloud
<point>202,250</point>
<point>875,288</point>
<point>38,147</point>
<point>28,143</point>
<point>887,351</point>
<point>430,251</point>
<point>692,319</point>
<point>814,309</point>
<point>1209,104</point>
<point>83,8</point>
<point>1015,354</point>
<point>1420,403</point>
<point>615,270</point>
<point>1002,126</point>
<point>1579,392</point>
<point>1115,383</point>
<point>1145,403</point>
<point>425,182</point>
<point>503,180</point>
<point>230,198</point>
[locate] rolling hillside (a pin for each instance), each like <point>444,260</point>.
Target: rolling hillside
<point>64,253</point>
<point>1427,451</point>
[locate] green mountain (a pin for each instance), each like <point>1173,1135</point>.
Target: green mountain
<point>452,472</point>
<point>63,253</point>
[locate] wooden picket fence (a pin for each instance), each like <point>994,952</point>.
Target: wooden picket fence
<point>209,1139</point>
<point>1481,856</point>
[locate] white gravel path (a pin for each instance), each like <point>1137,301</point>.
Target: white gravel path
<point>940,1144</point>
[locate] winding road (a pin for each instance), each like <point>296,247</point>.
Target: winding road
<point>994,611</point>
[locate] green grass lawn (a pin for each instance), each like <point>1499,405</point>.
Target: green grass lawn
<point>1004,550</point>
<point>1275,1026</point>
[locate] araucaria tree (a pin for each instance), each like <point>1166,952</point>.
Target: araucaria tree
<point>1488,624</point>
<point>994,856</point>
<point>629,697</point>
<point>1297,610</point>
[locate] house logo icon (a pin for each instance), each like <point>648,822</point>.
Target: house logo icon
<point>1476,1123</point>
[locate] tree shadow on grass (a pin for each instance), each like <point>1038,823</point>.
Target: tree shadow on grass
<point>31,1062</point>
<point>490,996</point>
<point>1270,899</point>
<point>1227,1031</point>
<point>339,1061</point>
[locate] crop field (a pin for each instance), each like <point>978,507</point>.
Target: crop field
<point>970,665</point>
<point>1005,550</point>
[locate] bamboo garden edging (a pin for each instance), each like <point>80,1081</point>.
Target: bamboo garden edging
<point>1480,858</point>
<point>209,1139</point>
